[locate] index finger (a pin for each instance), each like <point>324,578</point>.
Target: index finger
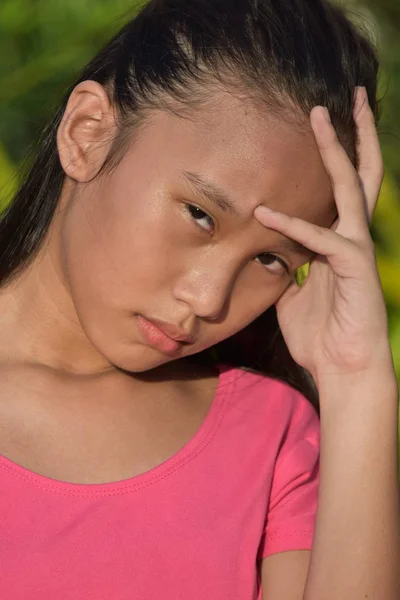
<point>371,168</point>
<point>346,184</point>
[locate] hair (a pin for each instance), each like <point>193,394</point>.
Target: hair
<point>290,55</point>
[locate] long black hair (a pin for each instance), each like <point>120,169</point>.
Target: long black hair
<point>284,53</point>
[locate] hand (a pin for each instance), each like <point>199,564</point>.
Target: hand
<point>337,323</point>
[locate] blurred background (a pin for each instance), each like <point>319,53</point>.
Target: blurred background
<point>43,43</point>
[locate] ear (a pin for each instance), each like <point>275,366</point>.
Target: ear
<point>85,135</point>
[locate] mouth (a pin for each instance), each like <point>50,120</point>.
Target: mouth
<point>163,336</point>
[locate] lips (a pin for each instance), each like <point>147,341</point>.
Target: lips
<point>175,333</point>
<point>159,335</point>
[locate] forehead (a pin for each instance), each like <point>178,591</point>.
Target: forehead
<point>253,156</point>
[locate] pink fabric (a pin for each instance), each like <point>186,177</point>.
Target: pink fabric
<point>195,527</point>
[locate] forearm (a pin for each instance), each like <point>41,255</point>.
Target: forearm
<point>356,553</point>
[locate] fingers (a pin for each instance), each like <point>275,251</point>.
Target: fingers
<point>319,240</point>
<point>349,239</point>
<point>345,180</point>
<point>371,168</point>
<point>356,193</point>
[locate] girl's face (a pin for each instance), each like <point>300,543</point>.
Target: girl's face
<point>168,240</point>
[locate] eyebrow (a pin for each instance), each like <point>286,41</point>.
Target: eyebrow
<point>213,193</point>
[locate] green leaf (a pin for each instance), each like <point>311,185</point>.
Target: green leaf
<point>8,178</point>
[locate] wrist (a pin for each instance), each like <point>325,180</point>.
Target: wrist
<point>378,381</point>
<point>370,401</point>
<point>380,369</point>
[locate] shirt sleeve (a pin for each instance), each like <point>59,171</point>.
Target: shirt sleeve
<point>292,505</point>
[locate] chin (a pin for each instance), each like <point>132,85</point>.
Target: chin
<point>138,359</point>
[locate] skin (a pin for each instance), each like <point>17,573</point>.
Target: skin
<point>68,323</point>
<point>124,244</point>
<point>342,338</point>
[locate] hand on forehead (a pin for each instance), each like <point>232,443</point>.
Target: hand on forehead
<point>356,192</point>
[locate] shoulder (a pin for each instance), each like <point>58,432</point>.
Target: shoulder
<point>272,410</point>
<point>275,395</point>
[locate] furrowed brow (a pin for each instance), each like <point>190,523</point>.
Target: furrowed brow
<point>214,194</point>
<point>295,247</point>
<point>210,192</point>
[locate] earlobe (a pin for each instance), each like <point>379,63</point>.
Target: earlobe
<point>86,131</point>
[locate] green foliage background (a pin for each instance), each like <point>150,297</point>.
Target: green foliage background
<point>43,43</point>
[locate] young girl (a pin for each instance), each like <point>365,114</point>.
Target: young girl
<point>148,449</point>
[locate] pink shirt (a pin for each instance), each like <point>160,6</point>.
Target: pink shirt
<point>195,527</point>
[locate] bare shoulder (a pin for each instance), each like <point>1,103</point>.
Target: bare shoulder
<point>284,575</point>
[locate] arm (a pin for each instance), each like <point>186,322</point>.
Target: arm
<point>283,575</point>
<point>356,552</point>
<point>341,338</point>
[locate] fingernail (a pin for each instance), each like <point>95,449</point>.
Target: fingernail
<point>361,97</point>
<point>263,209</point>
<point>327,115</point>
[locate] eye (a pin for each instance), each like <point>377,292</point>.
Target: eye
<point>273,263</point>
<point>201,218</point>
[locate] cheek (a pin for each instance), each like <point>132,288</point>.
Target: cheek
<point>253,293</point>
<point>121,252</point>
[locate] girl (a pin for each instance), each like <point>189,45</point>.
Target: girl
<point>148,449</point>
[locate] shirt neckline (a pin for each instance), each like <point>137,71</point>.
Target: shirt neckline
<point>188,452</point>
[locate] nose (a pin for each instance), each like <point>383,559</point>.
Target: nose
<point>206,290</point>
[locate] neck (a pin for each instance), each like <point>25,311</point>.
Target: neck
<point>38,321</point>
